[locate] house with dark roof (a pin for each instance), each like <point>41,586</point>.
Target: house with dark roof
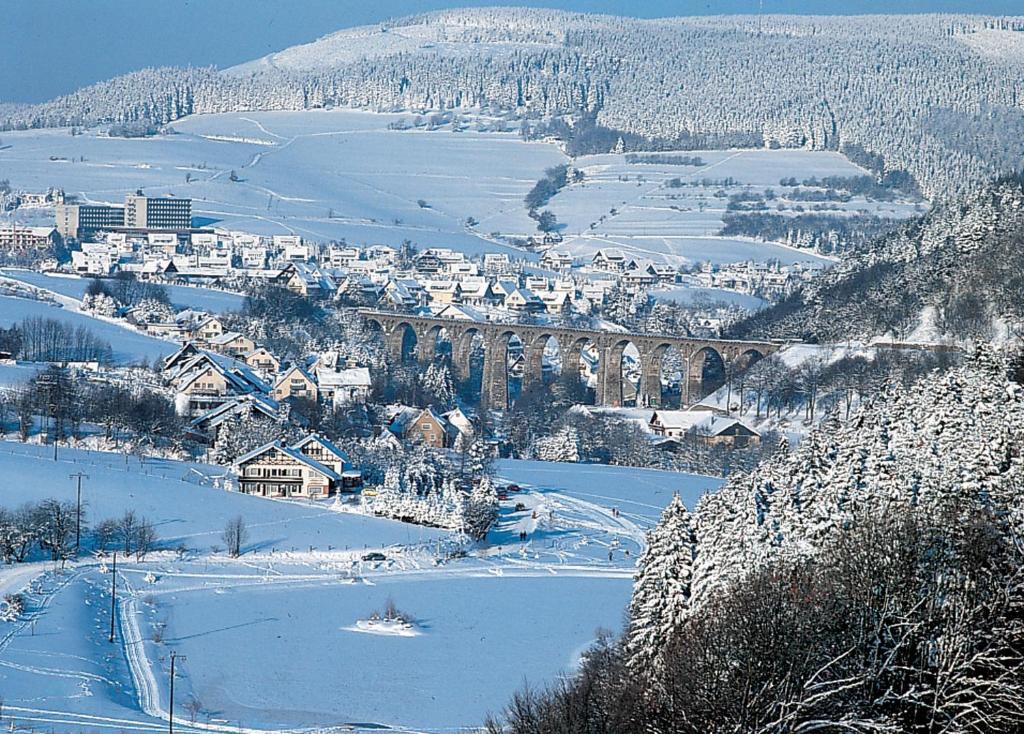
<point>276,470</point>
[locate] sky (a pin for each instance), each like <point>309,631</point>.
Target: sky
<point>52,47</point>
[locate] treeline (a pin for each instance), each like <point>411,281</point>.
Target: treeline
<point>39,339</point>
<point>66,402</point>
<point>665,160</point>
<point>59,529</point>
<point>554,180</point>
<point>825,233</point>
<point>884,188</point>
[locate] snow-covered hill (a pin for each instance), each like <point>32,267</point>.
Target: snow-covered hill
<point>790,81</point>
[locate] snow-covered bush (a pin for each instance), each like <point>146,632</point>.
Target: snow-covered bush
<point>12,607</point>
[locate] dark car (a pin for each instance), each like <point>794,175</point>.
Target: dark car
<point>502,495</point>
<point>375,557</point>
<point>513,488</point>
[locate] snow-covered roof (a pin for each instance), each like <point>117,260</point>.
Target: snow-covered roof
<point>462,312</point>
<point>351,377</point>
<point>236,406</point>
<point>227,337</point>
<point>705,423</point>
<point>323,441</point>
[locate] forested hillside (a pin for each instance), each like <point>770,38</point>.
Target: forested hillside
<point>868,581</point>
<point>938,96</point>
<point>962,265</point>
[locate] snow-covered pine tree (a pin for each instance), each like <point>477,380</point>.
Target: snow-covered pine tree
<point>661,595</point>
<point>482,508</point>
<point>564,445</point>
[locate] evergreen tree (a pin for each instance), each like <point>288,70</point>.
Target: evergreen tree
<point>661,595</point>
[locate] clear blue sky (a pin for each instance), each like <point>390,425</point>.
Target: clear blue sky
<point>51,47</point>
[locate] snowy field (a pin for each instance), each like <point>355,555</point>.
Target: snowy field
<point>333,174</point>
<point>129,346</point>
<point>273,639</point>
<point>321,174</point>
<point>72,286</point>
<point>694,294</point>
<point>633,206</point>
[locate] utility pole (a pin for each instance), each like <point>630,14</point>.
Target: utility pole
<point>113,595</point>
<point>170,705</point>
<point>53,412</point>
<point>78,514</point>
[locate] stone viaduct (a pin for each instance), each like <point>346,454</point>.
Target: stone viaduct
<point>731,356</point>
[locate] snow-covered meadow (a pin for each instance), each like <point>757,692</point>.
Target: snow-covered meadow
<point>129,346</point>
<point>73,286</point>
<point>271,640</point>
<point>374,177</point>
<point>672,213</point>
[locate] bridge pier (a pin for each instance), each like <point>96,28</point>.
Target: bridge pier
<point>650,379</point>
<point>494,391</point>
<point>534,354</point>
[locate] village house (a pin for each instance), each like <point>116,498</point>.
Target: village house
<point>609,259</point>
<point>524,301</point>
<point>208,329</point>
<point>558,261</point>
<point>555,302</point>
<point>715,429</point>
<point>344,387</point>
<point>295,382</point>
<point>497,263</point>
<point>443,292</point>
<point>323,451</point>
<point>203,380</point>
<point>460,312</point>
<point>423,427</point>
<point>233,344</point>
<point>263,361</point>
<point>276,470</point>
<point>476,292</point>
<point>205,426</point>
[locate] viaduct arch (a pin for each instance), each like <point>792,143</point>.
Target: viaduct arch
<point>731,355</point>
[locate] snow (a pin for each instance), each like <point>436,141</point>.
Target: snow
<point>679,225</point>
<point>1001,45</point>
<point>693,294</point>
<point>277,638</point>
<point>343,174</point>
<point>194,297</point>
<point>322,162</point>
<point>129,346</point>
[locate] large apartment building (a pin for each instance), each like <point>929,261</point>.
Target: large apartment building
<point>151,212</point>
<point>81,220</point>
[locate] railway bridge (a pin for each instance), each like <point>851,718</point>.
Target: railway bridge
<point>409,336</point>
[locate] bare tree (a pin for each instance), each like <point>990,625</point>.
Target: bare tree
<point>56,528</point>
<point>145,539</point>
<point>128,527</point>
<point>235,535</point>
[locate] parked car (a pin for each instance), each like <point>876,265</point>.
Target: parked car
<point>513,488</point>
<point>375,556</point>
<point>520,507</point>
<point>502,495</point>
